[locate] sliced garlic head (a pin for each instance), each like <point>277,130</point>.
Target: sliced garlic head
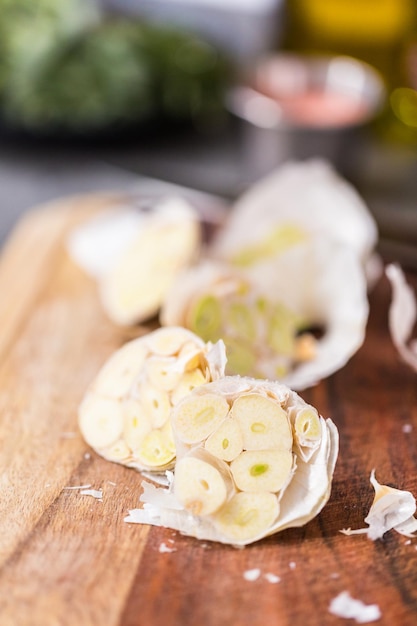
<point>125,415</point>
<point>136,256</point>
<point>263,337</point>
<point>241,476</point>
<point>266,314</point>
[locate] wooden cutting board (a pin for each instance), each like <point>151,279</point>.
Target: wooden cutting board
<point>70,559</point>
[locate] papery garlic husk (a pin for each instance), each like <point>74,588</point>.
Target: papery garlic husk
<point>297,202</point>
<point>125,414</point>
<point>135,256</point>
<point>266,486</point>
<point>392,509</point>
<point>264,313</point>
<point>402,315</point>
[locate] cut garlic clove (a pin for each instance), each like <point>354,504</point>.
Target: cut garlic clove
<point>155,403</point>
<point>202,483</point>
<point>100,420</point>
<point>134,289</point>
<point>226,442</point>
<point>204,318</point>
<point>262,470</point>
<point>307,427</point>
<point>136,255</point>
<point>116,377</point>
<point>196,417</point>
<point>170,341</point>
<point>275,242</point>
<point>157,450</point>
<point>190,357</point>
<point>241,358</point>
<point>162,372</point>
<point>135,406</point>
<point>136,423</point>
<point>281,330</point>
<point>240,319</point>
<point>188,381</point>
<point>118,452</point>
<point>263,422</point>
<point>246,517</point>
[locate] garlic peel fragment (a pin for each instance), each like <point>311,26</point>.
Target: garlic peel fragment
<point>392,509</point>
<point>125,414</point>
<point>267,488</point>
<point>402,315</point>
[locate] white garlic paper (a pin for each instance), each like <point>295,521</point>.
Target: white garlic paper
<point>402,315</point>
<point>392,509</point>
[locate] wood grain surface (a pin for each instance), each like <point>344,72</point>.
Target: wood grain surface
<point>70,559</point>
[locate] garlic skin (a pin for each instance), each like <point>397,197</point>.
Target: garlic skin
<point>135,256</point>
<point>267,487</point>
<point>402,315</point>
<point>125,413</point>
<point>299,201</point>
<point>392,509</point>
<point>301,288</point>
<point>343,605</point>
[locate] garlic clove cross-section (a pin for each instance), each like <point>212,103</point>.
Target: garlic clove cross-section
<point>134,256</point>
<point>243,474</point>
<point>125,414</point>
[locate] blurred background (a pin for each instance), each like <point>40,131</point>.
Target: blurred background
<point>209,94</point>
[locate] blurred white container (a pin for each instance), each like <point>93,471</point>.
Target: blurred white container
<point>244,29</point>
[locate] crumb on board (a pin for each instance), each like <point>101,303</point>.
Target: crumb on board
<point>252,574</point>
<point>272,578</point>
<point>343,605</point>
<point>165,548</point>
<point>94,493</point>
